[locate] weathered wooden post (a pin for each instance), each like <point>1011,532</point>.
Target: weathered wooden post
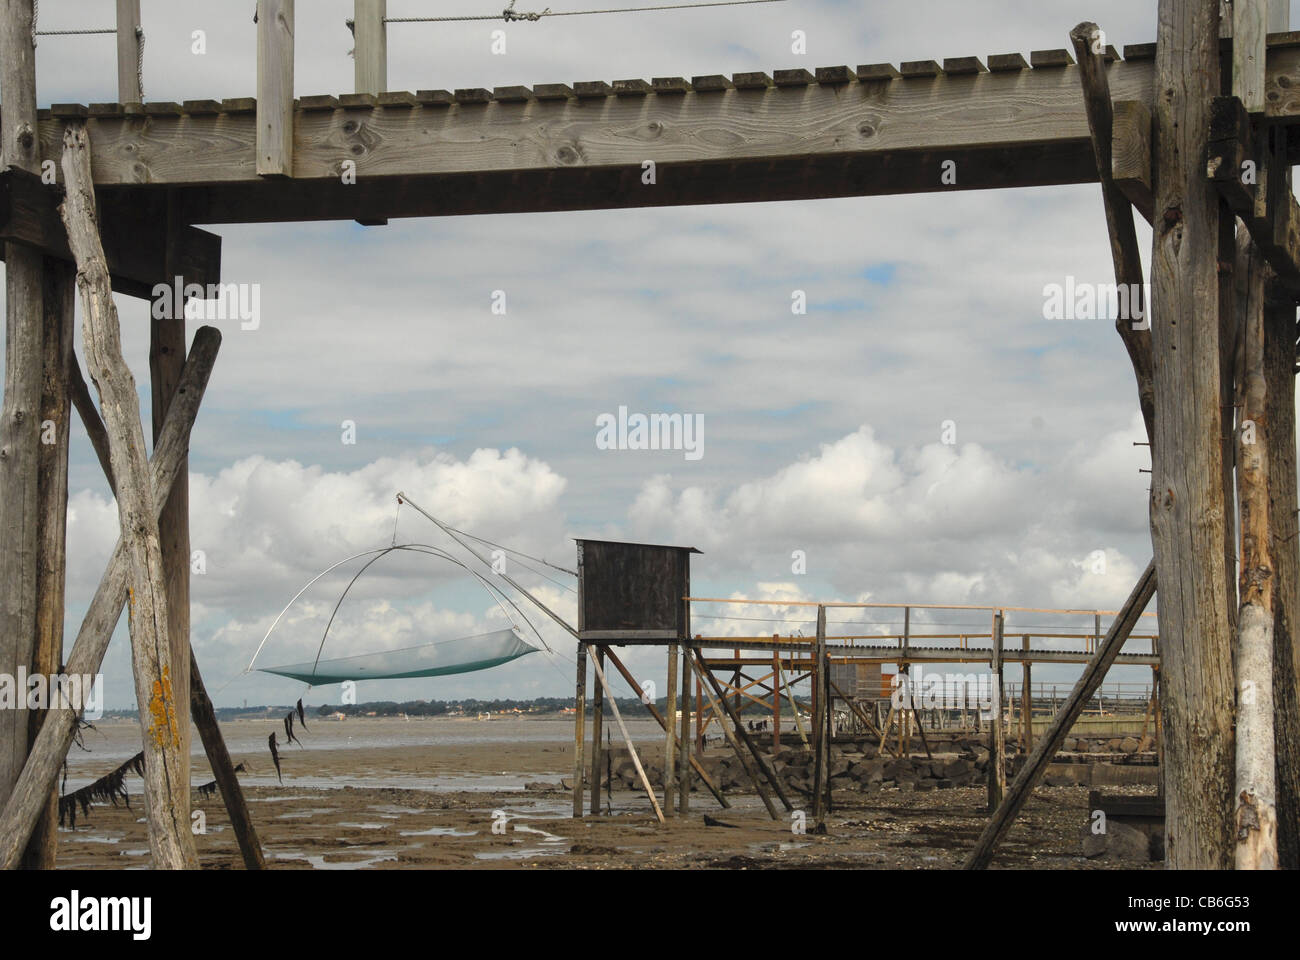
<point>275,88</point>
<point>597,723</point>
<point>370,33</point>
<point>579,735</point>
<point>821,740</point>
<point>997,771</point>
<point>1188,505</point>
<point>684,789</point>
<point>1026,700</point>
<point>167,788</point>
<point>59,298</point>
<point>670,736</point>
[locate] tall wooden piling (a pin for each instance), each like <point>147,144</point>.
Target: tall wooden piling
<point>684,791</point>
<point>997,750</point>
<point>1188,504</point>
<point>597,724</point>
<point>20,416</point>
<point>579,738</point>
<point>670,737</point>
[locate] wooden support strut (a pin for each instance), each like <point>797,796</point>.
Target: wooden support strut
<point>714,694</point>
<point>1005,813</point>
<point>659,718</point>
<point>275,30</point>
<point>39,775</point>
<point>997,745</point>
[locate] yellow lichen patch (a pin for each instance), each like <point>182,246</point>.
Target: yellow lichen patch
<point>162,723</point>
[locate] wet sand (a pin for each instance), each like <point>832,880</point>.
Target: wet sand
<point>451,793</point>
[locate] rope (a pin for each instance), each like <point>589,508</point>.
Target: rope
<point>509,15</point>
<point>70,33</point>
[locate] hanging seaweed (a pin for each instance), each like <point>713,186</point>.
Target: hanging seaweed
<point>275,755</point>
<point>208,789</point>
<point>106,789</point>
<point>301,716</point>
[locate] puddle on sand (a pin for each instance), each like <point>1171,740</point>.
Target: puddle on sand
<point>318,862</point>
<point>366,826</point>
<point>392,809</point>
<point>87,838</point>
<point>438,832</point>
<point>523,854</point>
<point>304,814</point>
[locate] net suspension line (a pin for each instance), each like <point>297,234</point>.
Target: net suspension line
<point>509,14</point>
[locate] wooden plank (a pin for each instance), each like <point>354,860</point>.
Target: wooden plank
<point>167,790</point>
<point>1007,63</point>
<point>130,38</point>
<point>39,776</point>
<point>1087,685</point>
<point>275,88</point>
<point>821,738</point>
<point>963,66</point>
<point>1188,500</point>
<point>370,34</point>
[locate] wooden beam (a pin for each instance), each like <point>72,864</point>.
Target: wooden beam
<point>39,775</point>
<point>1087,685</point>
<point>370,33</point>
<point>130,39</point>
<point>275,88</point>
<point>135,241</point>
<point>1188,501</point>
<point>821,728</point>
<point>167,789</point>
<point>19,416</point>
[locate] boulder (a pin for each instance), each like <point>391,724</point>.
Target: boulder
<point>1120,842</point>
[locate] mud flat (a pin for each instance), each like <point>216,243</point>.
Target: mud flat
<point>389,794</point>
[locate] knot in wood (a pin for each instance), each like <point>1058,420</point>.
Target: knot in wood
<point>569,154</point>
<point>25,135</point>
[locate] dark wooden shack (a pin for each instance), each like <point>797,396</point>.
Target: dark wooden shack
<point>633,592</point>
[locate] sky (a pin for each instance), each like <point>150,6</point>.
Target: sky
<point>921,433</point>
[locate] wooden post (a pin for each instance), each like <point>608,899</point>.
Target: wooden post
<point>370,34</point>
<point>1256,785</point>
<point>38,777</point>
<point>821,738</point>
<point>223,771</point>
<point>1188,504</point>
<point>699,715</point>
<point>1249,36</point>
<point>776,702</point>
<point>275,88</point>
<point>684,791</point>
<point>579,735</point>
<point>1005,813</point>
<point>670,739</point>
<point>20,417</point>
<point>1027,700</point>
<point>597,725</point>
<point>1281,439</point>
<point>997,772</point>
<point>130,37</point>
<point>167,787</point>
<point>59,298</point>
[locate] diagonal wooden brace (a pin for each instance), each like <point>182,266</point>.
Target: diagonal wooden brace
<point>41,771</point>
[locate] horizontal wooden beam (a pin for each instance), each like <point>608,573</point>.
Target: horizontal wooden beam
<point>562,147</point>
<point>133,230</point>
